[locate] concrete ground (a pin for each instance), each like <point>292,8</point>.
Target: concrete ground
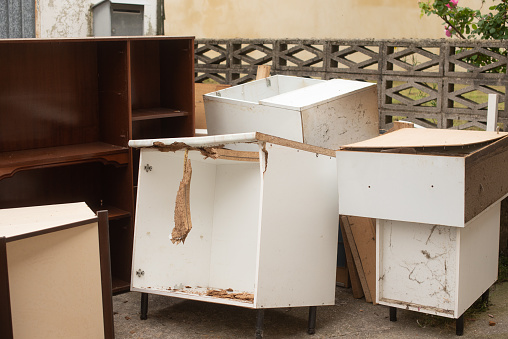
<point>349,318</point>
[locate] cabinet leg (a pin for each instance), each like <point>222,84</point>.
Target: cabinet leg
<point>260,318</point>
<point>459,325</point>
<point>485,296</point>
<point>144,306</point>
<point>393,314</point>
<point>312,320</point>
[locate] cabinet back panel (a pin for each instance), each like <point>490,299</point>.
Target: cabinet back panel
<point>48,94</point>
<point>145,74</point>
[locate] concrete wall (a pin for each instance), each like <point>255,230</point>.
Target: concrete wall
<point>302,19</point>
<point>73,18</point>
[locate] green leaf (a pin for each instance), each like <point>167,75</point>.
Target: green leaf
<point>492,31</point>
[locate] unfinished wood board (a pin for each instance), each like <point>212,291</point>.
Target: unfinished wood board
<point>426,137</point>
<point>356,258</point>
<point>263,71</point>
<point>356,284</point>
<point>364,233</point>
<point>201,89</point>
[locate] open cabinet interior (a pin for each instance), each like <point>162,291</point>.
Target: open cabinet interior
<point>68,108</point>
<point>219,252</point>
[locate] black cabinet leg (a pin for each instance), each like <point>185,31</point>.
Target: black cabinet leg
<point>485,296</point>
<point>459,325</point>
<point>393,314</point>
<point>312,320</point>
<point>144,306</point>
<point>260,318</point>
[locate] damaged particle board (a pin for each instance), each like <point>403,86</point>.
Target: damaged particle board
<point>245,207</point>
<point>455,174</point>
<point>182,216</point>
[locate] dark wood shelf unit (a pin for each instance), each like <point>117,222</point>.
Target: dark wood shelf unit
<point>68,108</point>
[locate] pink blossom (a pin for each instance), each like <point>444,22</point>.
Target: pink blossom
<point>453,3</point>
<point>448,31</point>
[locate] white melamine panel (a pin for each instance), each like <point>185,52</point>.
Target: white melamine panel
<point>55,284</point>
<point>479,254</point>
<point>299,226</point>
<point>311,96</point>
<point>417,266</point>
<point>405,187</point>
<point>167,265</point>
<point>257,90</point>
<point>353,117</point>
<point>226,118</point>
<point>235,226</point>
<point>24,220</point>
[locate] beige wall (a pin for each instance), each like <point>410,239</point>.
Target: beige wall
<point>301,19</point>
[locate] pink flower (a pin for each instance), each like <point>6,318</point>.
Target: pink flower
<point>448,31</point>
<point>453,3</point>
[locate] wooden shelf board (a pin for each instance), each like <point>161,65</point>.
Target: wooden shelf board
<point>11,162</point>
<point>113,211</point>
<point>156,113</point>
<point>119,285</point>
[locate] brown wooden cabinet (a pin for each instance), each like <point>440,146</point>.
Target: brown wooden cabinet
<point>68,108</point>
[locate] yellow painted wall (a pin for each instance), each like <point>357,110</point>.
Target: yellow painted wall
<point>302,19</point>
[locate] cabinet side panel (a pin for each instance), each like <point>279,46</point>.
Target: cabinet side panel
<point>417,267</point>
<point>299,230</point>
<point>167,265</point>
<point>66,266</point>
<point>113,92</point>
<point>479,246</point>
<point>405,187</point>
<point>344,120</point>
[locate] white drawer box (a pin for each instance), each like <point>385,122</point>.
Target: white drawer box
<point>450,177</point>
<point>264,224</point>
<point>325,113</point>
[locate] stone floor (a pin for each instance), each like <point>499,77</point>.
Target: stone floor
<point>349,318</point>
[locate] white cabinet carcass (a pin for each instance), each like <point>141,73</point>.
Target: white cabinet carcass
<point>436,196</point>
<point>244,228</point>
<point>324,113</point>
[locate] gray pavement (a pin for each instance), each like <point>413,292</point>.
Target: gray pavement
<point>348,318</point>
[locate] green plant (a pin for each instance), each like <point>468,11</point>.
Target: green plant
<point>468,23</point>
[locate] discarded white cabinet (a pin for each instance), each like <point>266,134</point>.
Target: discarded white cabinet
<point>325,113</point>
<point>436,195</point>
<point>55,278</point>
<point>264,224</point>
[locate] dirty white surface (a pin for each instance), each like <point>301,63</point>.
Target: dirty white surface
<point>435,269</point>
